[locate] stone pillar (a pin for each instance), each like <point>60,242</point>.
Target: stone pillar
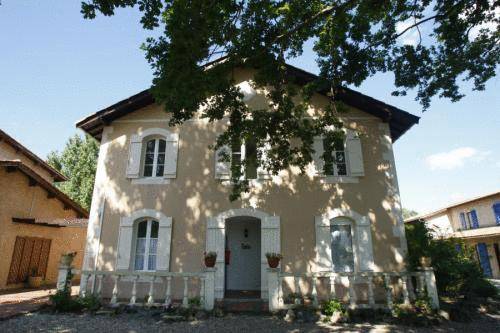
<point>430,284</point>
<point>273,288</point>
<point>209,288</point>
<point>62,276</point>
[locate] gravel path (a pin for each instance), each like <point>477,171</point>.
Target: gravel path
<point>42,322</point>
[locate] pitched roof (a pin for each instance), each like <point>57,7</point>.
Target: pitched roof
<point>399,121</point>
<point>452,205</point>
<point>58,177</point>
<point>55,223</point>
<point>51,189</point>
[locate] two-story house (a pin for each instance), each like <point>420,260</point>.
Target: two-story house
<point>161,200</point>
<point>477,222</point>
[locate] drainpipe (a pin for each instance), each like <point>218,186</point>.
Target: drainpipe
<point>96,256</point>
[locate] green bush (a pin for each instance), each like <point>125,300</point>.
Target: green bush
<point>331,306</point>
<point>63,302</point>
<point>457,272</point>
<point>194,302</point>
<point>90,302</point>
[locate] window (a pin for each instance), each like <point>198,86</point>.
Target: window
<point>337,164</point>
<point>342,247</point>
<point>496,211</point>
<point>246,152</point>
<point>469,220</point>
<point>146,245</point>
<point>154,158</point>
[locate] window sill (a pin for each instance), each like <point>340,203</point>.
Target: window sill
<point>251,182</point>
<point>339,179</point>
<point>150,181</point>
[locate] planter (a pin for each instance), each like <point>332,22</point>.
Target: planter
<point>425,262</point>
<point>210,261</point>
<point>35,281</point>
<point>66,260</point>
<point>273,262</point>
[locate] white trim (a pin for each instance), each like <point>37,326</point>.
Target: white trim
<point>150,181</point>
<point>338,179</point>
<point>169,136</point>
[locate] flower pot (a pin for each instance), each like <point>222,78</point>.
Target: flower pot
<point>66,260</point>
<point>425,262</point>
<point>273,262</point>
<point>35,281</point>
<point>210,261</point>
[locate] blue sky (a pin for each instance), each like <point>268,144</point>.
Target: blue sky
<point>56,68</point>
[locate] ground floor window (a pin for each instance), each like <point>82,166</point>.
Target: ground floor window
<point>342,248</point>
<point>146,245</point>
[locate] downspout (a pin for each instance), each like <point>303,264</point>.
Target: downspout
<point>98,245</point>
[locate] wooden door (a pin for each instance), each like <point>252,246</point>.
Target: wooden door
<point>29,253</point>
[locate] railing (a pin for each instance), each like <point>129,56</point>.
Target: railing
<point>92,282</point>
<point>409,285</point>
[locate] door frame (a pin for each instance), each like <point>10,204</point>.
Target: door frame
<point>216,241</point>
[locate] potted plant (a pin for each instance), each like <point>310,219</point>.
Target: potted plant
<point>34,280</point>
<point>210,258</point>
<point>67,258</point>
<point>273,259</point>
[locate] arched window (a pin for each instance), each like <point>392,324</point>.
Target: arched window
<point>342,245</point>
<point>146,245</point>
<point>154,158</point>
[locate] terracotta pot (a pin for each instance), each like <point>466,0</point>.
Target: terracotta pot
<point>273,262</point>
<point>210,261</point>
<point>34,281</point>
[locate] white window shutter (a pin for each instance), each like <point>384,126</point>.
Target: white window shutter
<point>355,154</point>
<point>164,244</point>
<point>171,152</point>
<point>222,168</point>
<point>319,162</point>
<point>134,157</point>
<point>323,244</point>
<point>364,244</point>
<point>262,172</point>
<point>124,244</point>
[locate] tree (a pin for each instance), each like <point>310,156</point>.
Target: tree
<point>78,162</point>
<point>353,40</point>
<point>407,213</point>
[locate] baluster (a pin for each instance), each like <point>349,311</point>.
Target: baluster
<point>332,285</point>
<point>371,299</point>
<point>404,283</point>
<point>297,290</point>
<point>185,302</point>
<point>280,290</point>
<point>352,292</point>
<point>202,291</point>
<point>411,288</point>
<point>85,281</point>
<point>388,289</point>
<point>168,298</point>
<point>314,291</point>
<point>421,284</point>
<point>99,284</point>
<point>114,298</point>
<point>134,290</point>
<point>151,298</point>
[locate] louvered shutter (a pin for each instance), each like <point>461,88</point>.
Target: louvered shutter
<point>319,162</point>
<point>323,244</point>
<point>222,168</point>
<point>171,152</point>
<point>354,153</point>
<point>475,221</point>
<point>134,157</point>
<point>462,221</point>
<point>496,211</point>
<point>365,246</point>
<point>124,244</point>
<point>484,259</point>
<point>164,244</point>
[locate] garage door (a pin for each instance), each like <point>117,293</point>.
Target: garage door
<point>29,253</point>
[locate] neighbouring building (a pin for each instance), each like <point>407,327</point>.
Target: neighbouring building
<point>477,222</point>
<point>38,223</point>
<point>161,199</point>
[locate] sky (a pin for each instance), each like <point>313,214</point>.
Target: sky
<point>56,68</point>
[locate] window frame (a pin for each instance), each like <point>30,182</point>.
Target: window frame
<point>339,221</point>
<point>148,238</point>
<point>334,159</point>
<point>242,153</point>
<point>156,155</point>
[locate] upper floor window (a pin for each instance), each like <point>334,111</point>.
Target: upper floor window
<point>469,220</point>
<point>496,211</point>
<point>154,158</point>
<point>146,245</point>
<point>336,165</point>
<point>247,152</point>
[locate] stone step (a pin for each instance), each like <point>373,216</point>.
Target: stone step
<point>243,305</point>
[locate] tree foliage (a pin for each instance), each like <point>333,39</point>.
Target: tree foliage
<point>78,162</point>
<point>407,213</point>
<point>353,40</point>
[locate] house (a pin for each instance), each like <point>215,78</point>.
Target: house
<point>161,200</point>
<point>476,221</point>
<point>38,222</point>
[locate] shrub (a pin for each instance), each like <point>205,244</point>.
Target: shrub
<point>194,302</point>
<point>63,302</point>
<point>331,306</point>
<point>457,272</point>
<point>90,302</point>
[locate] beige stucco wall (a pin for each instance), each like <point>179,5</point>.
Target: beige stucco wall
<point>195,195</point>
<point>18,199</point>
<point>7,152</point>
<point>483,207</point>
